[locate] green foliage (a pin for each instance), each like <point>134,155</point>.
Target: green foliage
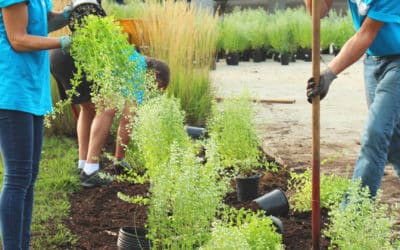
<point>336,29</point>
<point>280,33</point>
<point>362,224</point>
<point>256,21</point>
<point>184,198</point>
<point>252,230</point>
<point>55,182</point>
<point>332,190</point>
<point>101,51</point>
<point>302,27</point>
<point>159,123</point>
<point>234,33</point>
<point>233,131</point>
<point>131,8</point>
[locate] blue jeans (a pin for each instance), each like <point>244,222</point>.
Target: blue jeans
<point>21,136</point>
<point>380,142</point>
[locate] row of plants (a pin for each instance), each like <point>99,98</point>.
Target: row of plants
<point>284,31</point>
<point>186,208</point>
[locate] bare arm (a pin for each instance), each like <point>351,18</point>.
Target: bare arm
<point>356,46</point>
<point>324,6</point>
<point>16,21</point>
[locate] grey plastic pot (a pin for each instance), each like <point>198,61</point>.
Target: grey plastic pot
<point>196,132</point>
<point>274,203</point>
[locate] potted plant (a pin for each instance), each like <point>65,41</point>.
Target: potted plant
<point>257,33</point>
<point>280,37</point>
<point>233,130</point>
<point>233,37</point>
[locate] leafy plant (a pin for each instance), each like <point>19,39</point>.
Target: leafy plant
<point>184,198</point>
<point>101,51</point>
<point>332,190</point>
<point>363,223</point>
<point>252,230</point>
<point>159,123</point>
<point>233,131</point>
<point>257,21</point>
<point>233,32</point>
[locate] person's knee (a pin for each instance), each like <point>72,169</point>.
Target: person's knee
<point>19,175</point>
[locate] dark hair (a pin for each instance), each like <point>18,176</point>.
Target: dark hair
<point>162,71</point>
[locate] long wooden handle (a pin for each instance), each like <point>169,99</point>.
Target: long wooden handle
<point>316,213</point>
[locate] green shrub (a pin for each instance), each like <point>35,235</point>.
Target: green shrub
<point>362,224</point>
<point>234,33</point>
<point>332,190</point>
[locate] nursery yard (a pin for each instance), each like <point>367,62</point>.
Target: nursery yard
<point>286,128</point>
<point>97,214</point>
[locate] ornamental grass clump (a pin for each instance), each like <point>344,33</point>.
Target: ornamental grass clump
<point>232,128</point>
<point>363,223</point>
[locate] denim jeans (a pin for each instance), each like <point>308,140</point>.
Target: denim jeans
<point>380,142</point>
<point>21,136</point>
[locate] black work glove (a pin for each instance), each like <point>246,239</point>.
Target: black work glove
<point>325,80</point>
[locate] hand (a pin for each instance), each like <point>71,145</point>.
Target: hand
<point>325,80</point>
<point>67,11</point>
<point>65,42</point>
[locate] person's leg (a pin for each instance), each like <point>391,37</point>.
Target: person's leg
<point>86,116</point>
<point>29,198</point>
<point>383,117</point>
<point>98,135</point>
<point>124,131</point>
<point>17,149</point>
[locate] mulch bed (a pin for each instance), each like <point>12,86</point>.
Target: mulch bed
<point>97,214</point>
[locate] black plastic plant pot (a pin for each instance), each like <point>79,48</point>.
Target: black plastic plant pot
<point>133,238</point>
<point>232,58</point>
<point>247,187</point>
<point>196,132</point>
<point>274,203</point>
<point>278,224</point>
<point>258,55</point>
<point>285,58</point>
<point>245,55</point>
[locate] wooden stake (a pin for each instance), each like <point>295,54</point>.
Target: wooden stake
<point>316,213</point>
<point>282,101</point>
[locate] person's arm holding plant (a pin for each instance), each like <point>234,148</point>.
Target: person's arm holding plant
<point>352,50</point>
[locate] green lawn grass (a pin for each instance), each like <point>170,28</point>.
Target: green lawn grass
<point>57,178</point>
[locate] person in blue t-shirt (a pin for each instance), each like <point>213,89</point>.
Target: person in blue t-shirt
<point>24,99</point>
<point>377,23</point>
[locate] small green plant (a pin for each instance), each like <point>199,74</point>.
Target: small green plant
<point>233,130</point>
<point>233,32</point>
<point>332,190</point>
<point>184,199</point>
<point>159,123</point>
<point>252,230</point>
<point>363,223</point>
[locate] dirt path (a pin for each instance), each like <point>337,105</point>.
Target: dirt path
<point>286,128</point>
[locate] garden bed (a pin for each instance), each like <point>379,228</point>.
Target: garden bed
<point>97,214</point>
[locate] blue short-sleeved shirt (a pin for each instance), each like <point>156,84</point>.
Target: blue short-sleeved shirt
<point>25,76</point>
<point>387,41</point>
<point>138,75</point>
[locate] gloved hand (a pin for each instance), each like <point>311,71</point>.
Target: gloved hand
<point>65,42</point>
<point>325,80</point>
<point>67,11</point>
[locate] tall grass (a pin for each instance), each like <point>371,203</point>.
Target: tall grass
<point>186,38</point>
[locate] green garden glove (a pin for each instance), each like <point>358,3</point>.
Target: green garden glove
<point>65,42</point>
<point>67,11</point>
<point>325,80</point>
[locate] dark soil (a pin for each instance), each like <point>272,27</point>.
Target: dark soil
<point>97,214</point>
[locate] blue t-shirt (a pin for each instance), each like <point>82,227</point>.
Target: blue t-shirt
<point>387,41</point>
<point>25,76</point>
<point>138,75</point>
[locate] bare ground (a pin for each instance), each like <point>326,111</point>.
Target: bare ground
<point>286,129</point>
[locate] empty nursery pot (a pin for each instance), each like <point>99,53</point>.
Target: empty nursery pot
<point>195,132</point>
<point>274,203</point>
<point>278,224</point>
<point>133,238</point>
<point>247,188</point>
